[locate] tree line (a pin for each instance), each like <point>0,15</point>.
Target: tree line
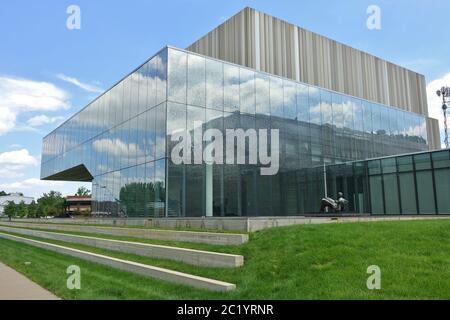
<point>50,204</point>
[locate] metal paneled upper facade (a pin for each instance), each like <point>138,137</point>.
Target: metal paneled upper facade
<point>260,41</point>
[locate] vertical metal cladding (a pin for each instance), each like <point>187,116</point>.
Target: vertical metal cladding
<point>433,134</point>
<point>265,43</point>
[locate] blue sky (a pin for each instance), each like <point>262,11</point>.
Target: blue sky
<point>48,72</point>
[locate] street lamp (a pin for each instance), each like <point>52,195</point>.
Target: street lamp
<point>444,93</point>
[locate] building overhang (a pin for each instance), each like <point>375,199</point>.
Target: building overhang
<point>79,173</point>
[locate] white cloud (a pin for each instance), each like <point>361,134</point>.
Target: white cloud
<point>7,120</point>
<point>22,95</point>
<point>13,163</point>
<point>30,183</point>
<point>435,102</point>
<point>79,84</point>
<point>43,119</point>
<point>17,158</point>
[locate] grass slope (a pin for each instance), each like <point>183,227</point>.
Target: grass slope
<point>297,262</point>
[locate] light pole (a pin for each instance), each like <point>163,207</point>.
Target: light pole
<point>445,94</point>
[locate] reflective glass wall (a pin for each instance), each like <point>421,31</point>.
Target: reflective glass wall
<point>120,139</point>
<point>316,127</point>
<point>123,139</point>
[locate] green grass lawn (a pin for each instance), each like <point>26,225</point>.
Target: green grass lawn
<point>298,262</point>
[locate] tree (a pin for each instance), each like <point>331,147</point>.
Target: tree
<point>3,193</point>
<point>83,192</point>
<point>51,204</point>
<point>33,210</point>
<point>22,210</point>
<point>10,210</point>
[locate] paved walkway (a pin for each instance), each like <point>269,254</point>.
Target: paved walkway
<point>15,286</point>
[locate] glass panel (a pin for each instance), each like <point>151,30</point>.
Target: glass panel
<point>196,92</point>
<point>177,70</point>
<point>140,188</point>
<point>408,193</point>
<point>141,138</point>
<point>374,167</point>
<point>348,113</point>
<point>126,98</point>
<point>262,85</point>
<point>389,165</point>
<point>276,97</point>
<point>214,84</point>
<point>160,187</point>
<point>441,159</point>
<point>161,77</point>
<point>214,120</point>
<point>231,190</point>
<point>176,122</point>
<point>425,192</point>
<point>442,179</point>
<point>143,87</point>
<point>376,194</point>
<point>367,114</point>
<point>405,163</point>
<point>149,189</point>
<point>303,103</point>
<point>391,197</point>
<point>422,161</point>
<point>247,91</point>
<point>290,100</point>
<point>176,190</point>
<point>134,94</point>
<point>151,82</point>
<point>195,190</point>
<point>358,115</point>
<point>231,88</point>
<point>133,142</point>
<point>150,135</point>
<point>160,127</point>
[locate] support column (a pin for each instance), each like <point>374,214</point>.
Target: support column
<point>209,190</point>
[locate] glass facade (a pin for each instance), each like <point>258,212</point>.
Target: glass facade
<point>122,141</point>
<point>406,184</point>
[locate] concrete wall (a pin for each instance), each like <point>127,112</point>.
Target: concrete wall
<point>217,238</point>
<point>190,256</point>
<point>130,266</point>
<point>262,42</point>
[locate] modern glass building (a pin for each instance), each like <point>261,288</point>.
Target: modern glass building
<point>122,141</point>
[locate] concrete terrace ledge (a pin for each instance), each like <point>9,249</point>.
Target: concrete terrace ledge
<point>190,256</point>
<point>242,224</point>
<point>216,238</point>
<point>130,266</point>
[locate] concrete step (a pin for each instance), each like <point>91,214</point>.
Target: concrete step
<point>231,239</point>
<point>130,266</point>
<point>190,256</point>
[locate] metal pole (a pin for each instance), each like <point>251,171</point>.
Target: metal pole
<point>445,93</point>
